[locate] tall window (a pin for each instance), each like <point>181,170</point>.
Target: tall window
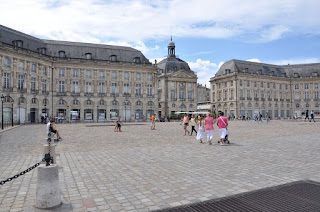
<point>6,83</point>
<point>88,87</point>
<point>7,62</point>
<point>248,94</point>
<point>255,94</point>
<point>61,86</point>
<point>316,95</point>
<point>306,95</point>
<point>126,76</point>
<point>240,83</point>
<point>231,83</point>
<point>44,71</point>
<point>181,94</point>
<point>274,85</point>
<point>75,87</point>
<point>296,86</point>
<point>20,82</point>
<point>21,65</point>
<point>261,84</point>
<point>126,88</point>
<point>306,86</point>
<point>172,84</point>
<point>33,68</point>
<point>114,88</point>
<point>189,95</point>
<point>101,87</point>
<point>316,85</point>
<point>44,85</point>
<point>189,85</point>
<point>255,84</point>
<point>33,83</point>
<point>149,90</point>
<point>173,94</point>
<point>268,85</point>
<point>296,95</point>
<point>61,73</point>
<point>261,94</point>
<point>241,93</point>
<point>138,76</point>
<point>280,94</point>
<point>138,89</point>
<point>219,95</point>
<point>248,83</point>
<point>114,75</point>
<point>89,74</point>
<point>231,93</point>
<point>213,96</point>
<point>75,73</point>
<point>159,84</point>
<point>149,77</point>
<point>101,75</point>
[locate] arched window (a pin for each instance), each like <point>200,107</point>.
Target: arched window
<point>191,105</point>
<point>173,105</point>
<point>114,102</point>
<point>139,103</point>
<point>75,102</point>
<point>150,103</point>
<point>113,58</point>
<point>101,102</point>
<point>182,106</point>
<point>89,102</point>
<point>61,102</point>
<point>126,102</point>
<point>45,102</point>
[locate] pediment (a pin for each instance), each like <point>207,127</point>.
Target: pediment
<point>183,74</point>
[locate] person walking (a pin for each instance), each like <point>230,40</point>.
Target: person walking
<point>185,124</point>
<point>222,123</point>
<point>307,115</point>
<point>209,121</point>
<point>260,117</point>
<point>200,133</point>
<point>312,116</point>
<point>193,124</point>
<point>268,118</point>
<point>153,122</point>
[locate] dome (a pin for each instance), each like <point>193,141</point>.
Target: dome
<point>173,64</point>
<point>171,44</point>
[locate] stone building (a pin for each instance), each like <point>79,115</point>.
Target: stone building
<point>176,85</point>
<point>203,98</point>
<point>246,88</point>
<point>73,81</point>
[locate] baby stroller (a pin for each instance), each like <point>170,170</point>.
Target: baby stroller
<point>226,138</point>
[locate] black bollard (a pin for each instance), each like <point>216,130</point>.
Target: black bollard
<point>47,158</point>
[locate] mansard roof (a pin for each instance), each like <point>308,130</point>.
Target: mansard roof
<point>71,49</point>
<point>301,70</point>
<point>173,64</point>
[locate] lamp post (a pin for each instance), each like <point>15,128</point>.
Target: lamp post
<point>68,114</point>
<point>19,110</point>
<point>12,101</point>
<point>45,111</point>
<point>2,99</point>
<point>97,114</point>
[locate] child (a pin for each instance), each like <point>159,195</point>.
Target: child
<point>200,134</point>
<point>116,125</point>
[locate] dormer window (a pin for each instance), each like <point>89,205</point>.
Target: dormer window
<point>62,54</point>
<point>43,51</point>
<point>18,43</point>
<point>136,60</point>
<point>113,58</point>
<point>246,70</point>
<point>296,75</point>
<point>315,74</point>
<point>88,56</point>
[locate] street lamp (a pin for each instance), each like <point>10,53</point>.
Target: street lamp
<point>19,110</point>
<point>12,101</point>
<point>2,99</point>
<point>97,113</point>
<point>68,114</point>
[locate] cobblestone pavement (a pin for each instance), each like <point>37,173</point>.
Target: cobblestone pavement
<point>141,169</point>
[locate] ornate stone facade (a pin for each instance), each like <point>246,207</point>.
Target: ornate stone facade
<point>73,81</point>
<point>176,84</point>
<point>247,88</point>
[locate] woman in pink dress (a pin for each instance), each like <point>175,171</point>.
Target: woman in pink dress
<point>185,124</point>
<point>209,121</point>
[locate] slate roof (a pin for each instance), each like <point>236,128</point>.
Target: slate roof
<point>72,49</point>
<point>173,64</point>
<point>303,70</point>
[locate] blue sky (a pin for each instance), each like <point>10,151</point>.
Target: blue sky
<point>206,32</point>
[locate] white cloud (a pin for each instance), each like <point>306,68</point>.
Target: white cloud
<point>139,20</point>
<point>204,70</point>
<point>254,60</point>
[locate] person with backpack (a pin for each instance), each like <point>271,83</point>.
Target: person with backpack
<point>222,123</point>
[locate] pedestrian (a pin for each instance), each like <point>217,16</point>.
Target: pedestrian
<point>193,124</point>
<point>116,125</point>
<point>185,122</point>
<point>153,122</point>
<point>119,124</point>
<point>260,117</point>
<point>268,118</point>
<point>200,134</point>
<point>307,115</point>
<point>312,116</point>
<point>209,121</point>
<point>222,123</point>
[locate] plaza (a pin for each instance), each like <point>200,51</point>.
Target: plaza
<point>143,170</point>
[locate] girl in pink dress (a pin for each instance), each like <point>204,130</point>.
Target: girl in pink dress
<point>185,124</point>
<point>209,121</point>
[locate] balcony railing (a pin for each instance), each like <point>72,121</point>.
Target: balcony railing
<point>75,94</point>
<point>150,96</point>
<point>34,91</point>
<point>138,95</point>
<point>61,94</point>
<point>249,98</point>
<point>256,98</point>
<point>6,89</point>
<point>173,99</point>
<point>263,99</point>
<point>281,100</point>
<point>45,92</point>
<point>88,94</point>
<point>275,99</point>
<point>114,94</point>
<point>102,94</point>
<point>242,98</point>
<point>22,90</point>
